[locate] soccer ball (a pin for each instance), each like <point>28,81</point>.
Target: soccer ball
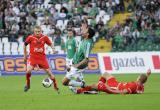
<point>47,82</point>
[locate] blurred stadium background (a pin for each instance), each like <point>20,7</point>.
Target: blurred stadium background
<point>121,26</point>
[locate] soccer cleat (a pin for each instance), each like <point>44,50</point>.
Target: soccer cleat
<point>26,88</point>
<point>83,84</point>
<point>73,89</point>
<point>90,92</point>
<point>58,90</point>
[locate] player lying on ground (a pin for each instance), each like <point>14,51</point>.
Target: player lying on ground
<point>108,83</point>
<point>37,56</point>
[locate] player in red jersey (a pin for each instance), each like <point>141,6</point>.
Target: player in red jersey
<point>108,83</point>
<point>37,56</point>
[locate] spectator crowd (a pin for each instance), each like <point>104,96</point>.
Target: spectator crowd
<point>18,17</point>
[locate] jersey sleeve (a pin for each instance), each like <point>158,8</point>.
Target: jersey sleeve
<point>140,89</point>
<point>131,88</point>
<point>75,43</point>
<point>48,41</point>
<point>87,50</point>
<point>28,40</point>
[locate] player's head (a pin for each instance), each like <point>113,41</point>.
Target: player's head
<point>71,32</point>
<point>88,33</point>
<point>142,78</point>
<point>37,31</point>
<point>84,22</point>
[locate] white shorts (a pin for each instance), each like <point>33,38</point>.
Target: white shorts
<point>68,62</point>
<point>75,73</point>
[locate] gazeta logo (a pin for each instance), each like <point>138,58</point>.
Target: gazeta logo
<point>118,63</point>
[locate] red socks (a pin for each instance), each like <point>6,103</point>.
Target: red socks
<point>82,90</point>
<point>54,83</point>
<point>28,76</point>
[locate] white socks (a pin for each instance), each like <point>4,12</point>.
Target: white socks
<point>75,83</point>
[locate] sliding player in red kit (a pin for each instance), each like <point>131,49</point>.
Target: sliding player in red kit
<point>108,83</point>
<point>37,56</point>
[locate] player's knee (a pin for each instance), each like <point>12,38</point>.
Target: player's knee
<point>65,82</point>
<point>28,71</point>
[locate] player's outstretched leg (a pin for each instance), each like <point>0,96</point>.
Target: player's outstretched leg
<point>52,77</point>
<point>54,83</point>
<point>85,90</point>
<point>28,78</point>
<point>27,86</point>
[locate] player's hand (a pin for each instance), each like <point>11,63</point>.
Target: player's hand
<point>148,72</point>
<point>75,65</point>
<point>25,59</point>
<point>68,69</point>
<point>53,51</point>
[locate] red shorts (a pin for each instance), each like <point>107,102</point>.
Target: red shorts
<point>101,86</point>
<point>42,63</point>
<point>112,82</point>
<point>102,79</point>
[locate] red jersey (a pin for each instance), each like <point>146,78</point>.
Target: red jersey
<point>131,87</point>
<point>37,49</point>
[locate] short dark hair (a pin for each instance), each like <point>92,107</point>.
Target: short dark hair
<point>91,32</point>
<point>84,21</point>
<point>70,29</point>
<point>143,78</point>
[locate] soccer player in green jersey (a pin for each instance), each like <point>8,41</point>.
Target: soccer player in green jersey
<point>71,47</point>
<point>80,59</point>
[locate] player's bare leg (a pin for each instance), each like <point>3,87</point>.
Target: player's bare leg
<point>52,77</point>
<point>91,89</point>
<point>28,76</point>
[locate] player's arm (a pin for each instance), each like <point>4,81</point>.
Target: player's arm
<point>86,59</point>
<point>83,62</point>
<point>53,48</point>
<point>27,41</point>
<point>51,44</point>
<point>115,91</point>
<point>25,53</point>
<point>148,72</point>
<point>75,44</point>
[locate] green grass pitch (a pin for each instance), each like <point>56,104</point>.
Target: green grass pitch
<point>12,96</point>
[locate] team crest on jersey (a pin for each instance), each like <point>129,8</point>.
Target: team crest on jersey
<point>38,42</point>
<point>39,50</point>
<point>34,41</point>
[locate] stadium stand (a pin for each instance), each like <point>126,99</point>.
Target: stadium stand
<point>140,26</point>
